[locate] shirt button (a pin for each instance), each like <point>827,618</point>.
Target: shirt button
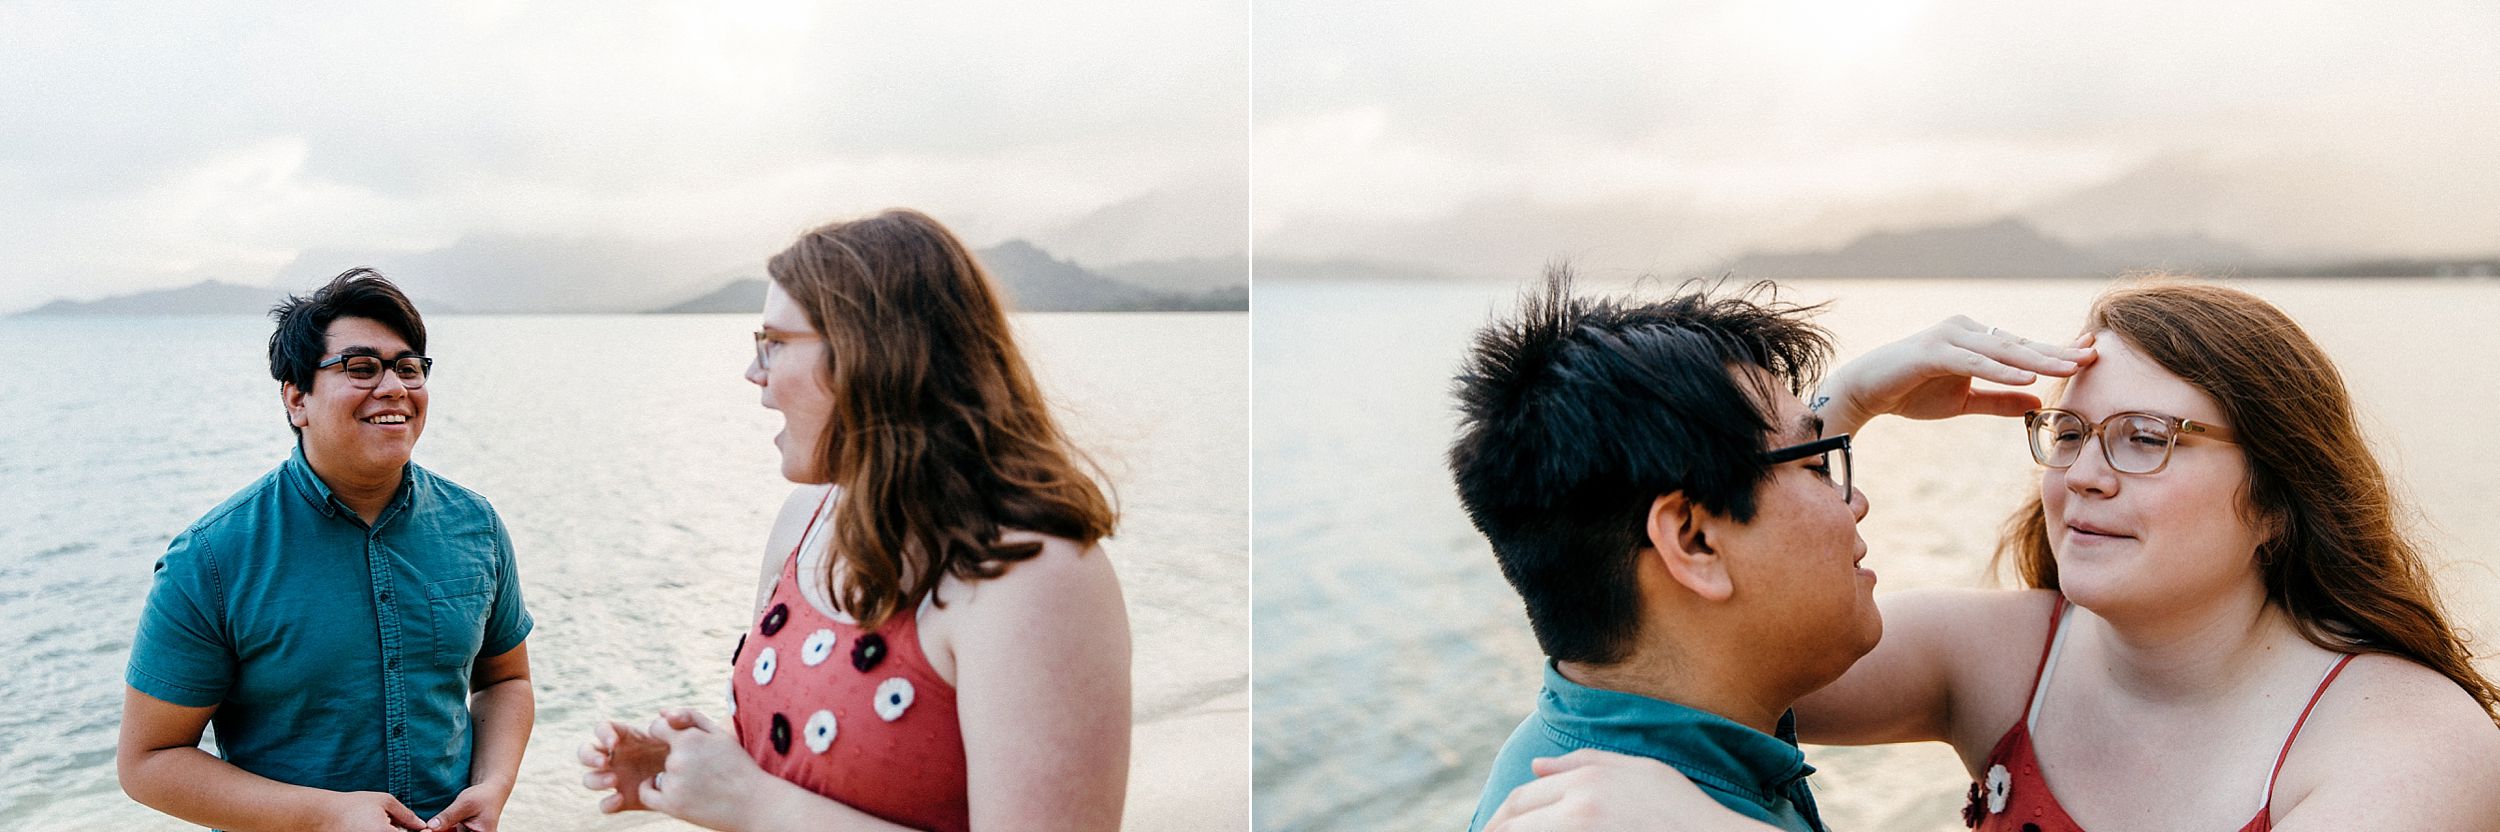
<point>397,730</point>
<point>392,663</point>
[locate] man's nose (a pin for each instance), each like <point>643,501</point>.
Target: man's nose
<point>390,385</point>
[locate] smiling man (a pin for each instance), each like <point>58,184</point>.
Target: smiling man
<point>1682,535</point>
<point>351,623</point>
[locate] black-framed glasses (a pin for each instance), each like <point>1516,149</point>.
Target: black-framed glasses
<point>366,370</point>
<point>2133,442</point>
<point>1835,467</point>
<point>766,343</point>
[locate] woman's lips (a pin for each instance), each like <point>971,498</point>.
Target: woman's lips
<point>2086,534</point>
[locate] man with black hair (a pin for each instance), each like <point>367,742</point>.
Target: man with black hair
<point>350,622</point>
<point>1683,536</point>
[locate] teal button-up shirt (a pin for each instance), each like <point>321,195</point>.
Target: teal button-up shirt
<point>1760,776</point>
<point>338,654</point>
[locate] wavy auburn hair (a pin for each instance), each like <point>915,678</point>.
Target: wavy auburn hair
<point>2351,580</point>
<point>938,437</point>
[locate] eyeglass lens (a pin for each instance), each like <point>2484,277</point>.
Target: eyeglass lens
<point>366,370</point>
<point>2132,444</point>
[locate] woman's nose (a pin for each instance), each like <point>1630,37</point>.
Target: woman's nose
<point>2091,472</point>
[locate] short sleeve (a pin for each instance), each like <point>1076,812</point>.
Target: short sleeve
<point>182,653</point>
<point>508,623</point>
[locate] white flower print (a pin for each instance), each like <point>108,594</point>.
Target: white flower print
<point>733,697</point>
<point>893,698</point>
<point>819,646</point>
<point>2000,784</point>
<point>764,664</point>
<point>821,731</point>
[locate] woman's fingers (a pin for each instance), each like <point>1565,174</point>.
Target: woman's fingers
<point>1967,362</point>
<point>688,719</point>
<point>2017,351</point>
<point>599,780</point>
<point>1550,766</point>
<point>2000,402</point>
<point>1529,796</point>
<point>593,756</point>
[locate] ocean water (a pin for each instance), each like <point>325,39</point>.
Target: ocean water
<point>636,474</point>
<point>1392,660</point>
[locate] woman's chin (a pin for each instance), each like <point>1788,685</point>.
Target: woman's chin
<point>798,471</point>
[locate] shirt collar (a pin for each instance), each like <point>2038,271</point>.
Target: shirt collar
<point>317,491</point>
<point>1693,740</point>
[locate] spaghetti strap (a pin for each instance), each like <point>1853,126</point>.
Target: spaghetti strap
<point>2286,753</point>
<point>2048,647</point>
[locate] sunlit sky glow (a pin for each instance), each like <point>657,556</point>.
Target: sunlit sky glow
<point>1485,138</point>
<point>157,145</point>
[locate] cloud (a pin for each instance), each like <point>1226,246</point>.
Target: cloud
<point>1393,130</point>
<point>162,145</point>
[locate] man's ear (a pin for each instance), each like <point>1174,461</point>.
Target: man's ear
<point>293,400</point>
<point>1679,542</point>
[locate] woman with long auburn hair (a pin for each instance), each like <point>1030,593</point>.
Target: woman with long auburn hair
<point>938,643</point>
<point>2223,626</point>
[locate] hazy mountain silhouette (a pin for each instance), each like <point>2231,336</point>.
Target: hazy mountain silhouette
<point>1193,275</point>
<point>1035,281</point>
<point>2007,247</point>
<point>207,297</point>
<point>2015,248</point>
<point>544,281</point>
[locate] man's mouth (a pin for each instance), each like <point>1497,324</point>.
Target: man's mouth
<point>387,419</point>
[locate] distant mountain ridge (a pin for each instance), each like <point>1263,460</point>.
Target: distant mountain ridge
<point>1033,279</point>
<point>207,297</point>
<point>2012,247</point>
<point>2007,247</point>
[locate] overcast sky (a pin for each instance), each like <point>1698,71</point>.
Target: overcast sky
<point>664,144</point>
<point>1486,137</point>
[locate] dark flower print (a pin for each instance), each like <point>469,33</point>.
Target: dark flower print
<point>775,620</point>
<point>867,651</point>
<point>781,734</point>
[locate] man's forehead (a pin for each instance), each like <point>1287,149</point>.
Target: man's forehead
<point>350,336</point>
<point>1793,422</point>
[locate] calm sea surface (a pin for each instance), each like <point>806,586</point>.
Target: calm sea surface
<point>1392,659</point>
<point>637,475</point>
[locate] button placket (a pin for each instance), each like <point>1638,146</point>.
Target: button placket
<point>401,777</point>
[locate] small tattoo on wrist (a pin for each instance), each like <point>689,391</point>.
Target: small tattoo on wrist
<point>1819,402</point>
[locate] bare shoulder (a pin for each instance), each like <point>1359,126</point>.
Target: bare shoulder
<point>1062,574</point>
<point>1064,598</point>
<point>2391,732</point>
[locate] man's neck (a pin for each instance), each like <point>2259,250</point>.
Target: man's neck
<point>364,492</point>
<point>1691,681</point>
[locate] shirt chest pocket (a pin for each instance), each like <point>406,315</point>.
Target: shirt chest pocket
<point>458,608</point>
